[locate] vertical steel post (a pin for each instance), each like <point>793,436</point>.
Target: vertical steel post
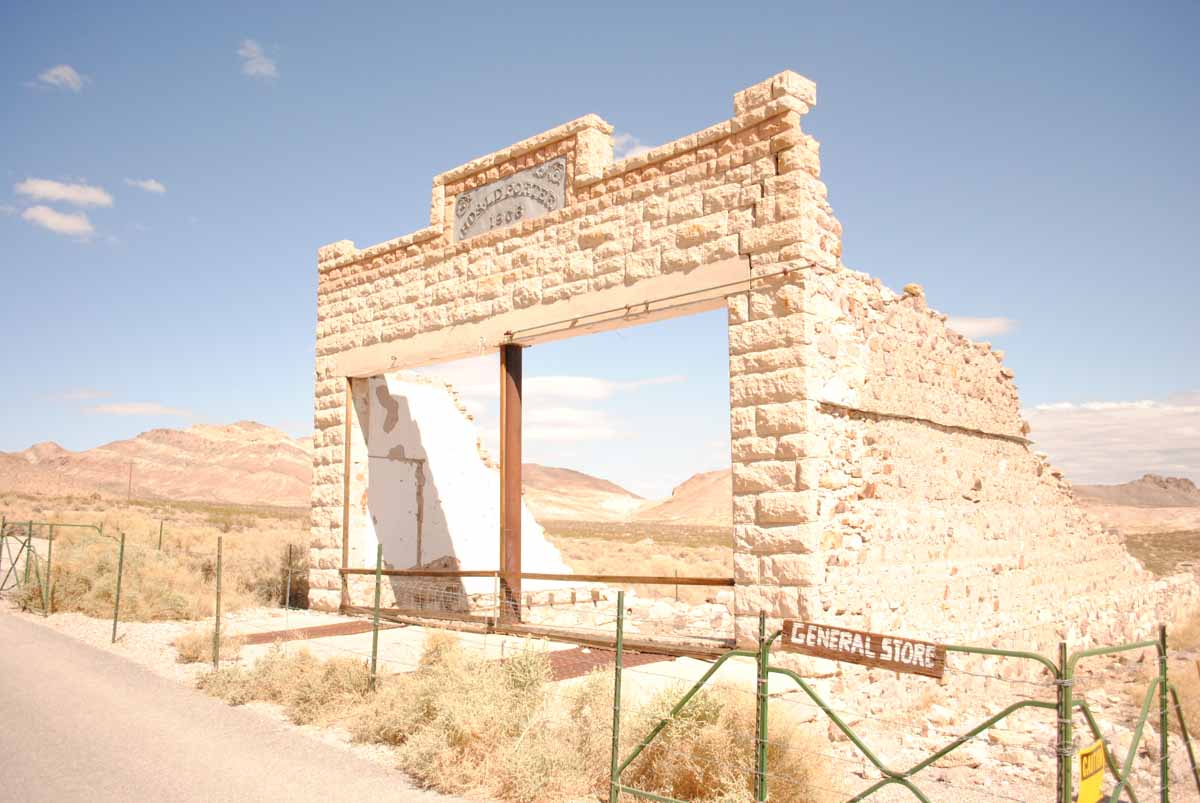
<point>217,613</point>
<point>375,625</point>
<point>160,529</point>
<point>47,596</point>
<point>614,777</point>
<point>287,594</point>
<point>510,481</point>
<point>117,601</point>
<point>1164,743</point>
<point>760,714</point>
<point>1065,703</point>
<point>28,549</point>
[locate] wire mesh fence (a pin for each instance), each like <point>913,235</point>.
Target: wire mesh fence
<point>688,712</point>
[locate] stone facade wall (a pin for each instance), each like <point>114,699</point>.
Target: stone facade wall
<point>881,474</point>
<point>883,481</point>
<point>746,186</point>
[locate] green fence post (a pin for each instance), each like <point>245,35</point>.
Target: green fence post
<point>1064,682</point>
<point>1164,743</point>
<point>160,529</point>
<point>287,594</point>
<point>47,595</point>
<point>28,549</point>
<point>760,714</point>
<point>117,601</point>
<point>614,782</point>
<point>1187,739</point>
<point>217,613</point>
<point>375,625</point>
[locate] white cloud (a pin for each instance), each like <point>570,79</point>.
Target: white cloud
<point>63,76</point>
<point>626,145</point>
<point>81,394</point>
<point>44,189</point>
<point>1117,441</point>
<point>140,408</point>
<point>255,62</point>
<point>72,224</point>
<point>147,184</point>
<point>567,424</point>
<point>587,388</point>
<point>976,328</point>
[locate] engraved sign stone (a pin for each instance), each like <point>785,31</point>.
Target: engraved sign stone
<point>527,194</point>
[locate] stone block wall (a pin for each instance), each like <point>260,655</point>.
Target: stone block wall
<point>883,481</point>
<point>881,474</point>
<point>690,214</point>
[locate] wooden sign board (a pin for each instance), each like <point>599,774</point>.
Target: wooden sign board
<point>896,653</point>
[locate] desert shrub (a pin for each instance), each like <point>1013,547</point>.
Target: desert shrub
<point>310,690</point>
<point>172,584</point>
<point>462,724</point>
<point>195,646</point>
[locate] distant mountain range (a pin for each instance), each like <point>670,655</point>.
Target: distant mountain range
<point>1151,490</point>
<point>244,463</point>
<point>560,493</point>
<point>253,464</point>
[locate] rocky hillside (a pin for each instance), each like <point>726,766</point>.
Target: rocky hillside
<point>701,499</point>
<point>563,493</point>
<point>254,464</point>
<point>242,463</point>
<point>1151,490</point>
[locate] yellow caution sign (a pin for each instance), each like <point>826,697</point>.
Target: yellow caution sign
<point>1091,773</point>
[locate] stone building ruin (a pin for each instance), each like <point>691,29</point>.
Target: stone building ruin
<point>882,474</point>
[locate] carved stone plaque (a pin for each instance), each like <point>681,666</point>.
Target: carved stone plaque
<point>528,194</point>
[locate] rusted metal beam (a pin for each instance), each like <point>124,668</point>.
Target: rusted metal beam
<point>348,411</point>
<point>415,615</point>
<point>631,579</point>
<point>713,650</point>
<point>510,483</point>
<point>424,572</point>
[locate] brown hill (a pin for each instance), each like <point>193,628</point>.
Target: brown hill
<point>563,493</point>
<point>1151,490</point>
<point>242,463</point>
<point>705,498</point>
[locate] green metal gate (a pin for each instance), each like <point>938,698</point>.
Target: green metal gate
<point>1063,672</point>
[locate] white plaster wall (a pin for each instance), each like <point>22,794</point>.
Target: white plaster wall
<point>421,446</point>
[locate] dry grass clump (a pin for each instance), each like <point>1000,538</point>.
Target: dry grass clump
<point>178,582</point>
<point>195,646</point>
<point>1185,675</point>
<point>707,751</point>
<point>465,725</point>
<point>311,691</point>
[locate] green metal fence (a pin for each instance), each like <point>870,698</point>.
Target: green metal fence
<point>1062,671</point>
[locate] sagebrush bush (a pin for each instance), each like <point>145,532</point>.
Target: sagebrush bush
<point>310,690</point>
<point>196,646</point>
<point>462,724</point>
<point>176,583</point>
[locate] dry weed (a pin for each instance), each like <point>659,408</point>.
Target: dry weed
<point>465,725</point>
<point>178,582</point>
<point>196,646</point>
<point>311,691</point>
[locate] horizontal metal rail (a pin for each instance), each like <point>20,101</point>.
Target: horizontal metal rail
<point>424,572</point>
<point>623,579</point>
<point>631,579</point>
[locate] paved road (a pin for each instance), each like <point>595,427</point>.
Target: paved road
<point>80,724</point>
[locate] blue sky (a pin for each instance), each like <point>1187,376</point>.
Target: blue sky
<point>1023,162</point>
